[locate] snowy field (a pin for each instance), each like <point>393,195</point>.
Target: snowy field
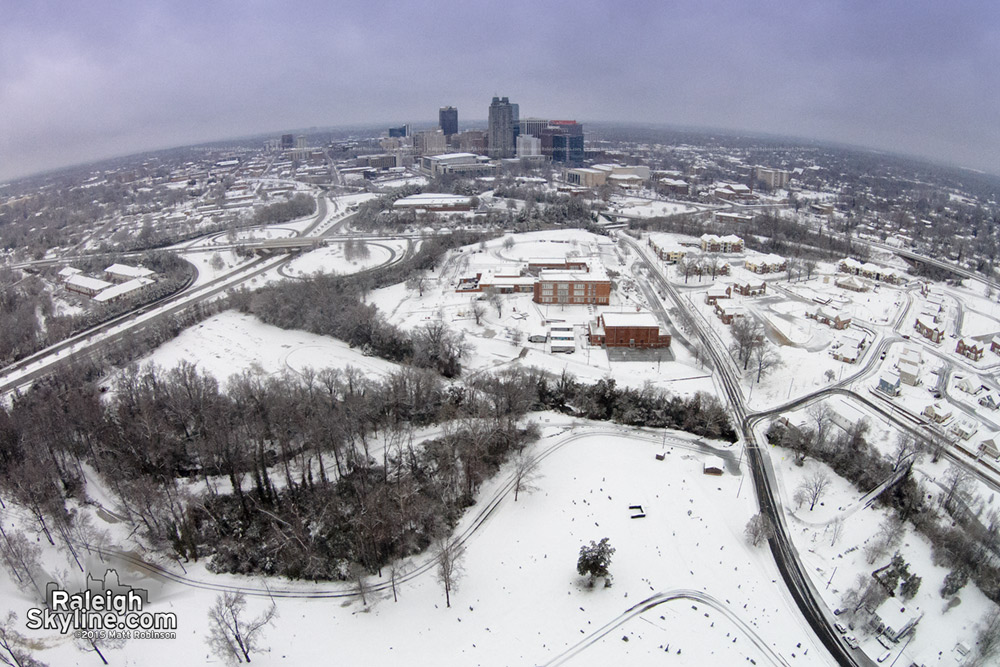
<point>230,343</point>
<point>331,259</point>
<point>520,600</point>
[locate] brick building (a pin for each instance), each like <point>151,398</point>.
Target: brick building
<point>637,330</point>
<point>573,287</point>
<point>749,288</point>
<point>970,348</point>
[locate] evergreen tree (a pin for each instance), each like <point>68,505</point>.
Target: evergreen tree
<point>595,560</point>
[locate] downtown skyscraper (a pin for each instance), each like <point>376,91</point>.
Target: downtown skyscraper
<point>503,126</point>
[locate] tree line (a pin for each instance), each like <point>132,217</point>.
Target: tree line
<point>961,537</point>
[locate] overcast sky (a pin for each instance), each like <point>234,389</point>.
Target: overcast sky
<point>82,80</point>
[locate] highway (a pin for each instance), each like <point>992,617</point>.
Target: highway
<point>23,372</point>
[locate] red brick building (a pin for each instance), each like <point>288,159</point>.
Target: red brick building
<point>970,349</point>
<point>750,288</point>
<point>565,287</point>
<point>638,330</point>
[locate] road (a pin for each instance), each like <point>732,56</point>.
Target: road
<point>25,371</point>
<point>785,556</point>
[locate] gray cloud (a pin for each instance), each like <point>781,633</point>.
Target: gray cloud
<point>80,81</point>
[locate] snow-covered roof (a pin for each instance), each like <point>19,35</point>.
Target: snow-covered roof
<point>85,282</point>
<point>128,271</point>
<point>643,319</point>
<point>125,288</point>
<point>69,271</point>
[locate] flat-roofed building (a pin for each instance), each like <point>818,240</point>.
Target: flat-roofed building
<point>124,290</point>
<point>86,285</point>
<point>431,201</point>
<point>120,273</point>
<point>636,330</point>
<point>464,164</point>
<point>573,287</point>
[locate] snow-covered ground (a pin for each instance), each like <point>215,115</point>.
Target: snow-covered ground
<point>331,258</point>
<point>230,343</point>
<point>838,562</point>
<point>520,600</point>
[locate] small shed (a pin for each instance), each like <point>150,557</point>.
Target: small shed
<point>714,466</point>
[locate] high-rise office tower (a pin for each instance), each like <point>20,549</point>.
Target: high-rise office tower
<point>502,128</point>
<point>562,141</point>
<point>448,120</point>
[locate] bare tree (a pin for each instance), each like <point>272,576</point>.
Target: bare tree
<point>525,474</point>
<point>747,334</point>
<point>397,570</point>
<point>12,642</point>
<point>449,567</point>
<point>836,530</point>
<point>418,283</point>
<point>496,300</point>
<point>759,529</point>
<point>988,640</point>
<point>809,266</point>
<point>478,310</point>
<point>955,482</point>
<point>232,636</point>
<point>890,533</point>
<point>508,242</point>
<point>94,644</point>
<point>765,358</point>
<point>359,577</point>
<point>686,266</point>
<point>822,416</point>
<point>21,559</point>
<point>814,487</point>
<point>906,446</point>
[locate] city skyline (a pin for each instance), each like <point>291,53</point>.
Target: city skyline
<point>77,86</point>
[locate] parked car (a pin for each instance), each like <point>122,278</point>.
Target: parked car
<point>840,627</point>
<point>851,641</point>
<point>884,656</point>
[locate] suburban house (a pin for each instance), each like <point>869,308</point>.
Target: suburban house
<point>964,429</point>
<point>716,292</point>
<point>970,348</point>
<point>749,288</point>
<point>909,372</point>
<point>830,318</point>
<point>968,385</point>
<point>851,347</point>
<point>990,400</point>
<point>929,330</point>
<point>728,313</point>
<point>937,412</point>
<point>893,620</point>
<point>995,345</point>
<point>888,383</point>
<point>989,448</point>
